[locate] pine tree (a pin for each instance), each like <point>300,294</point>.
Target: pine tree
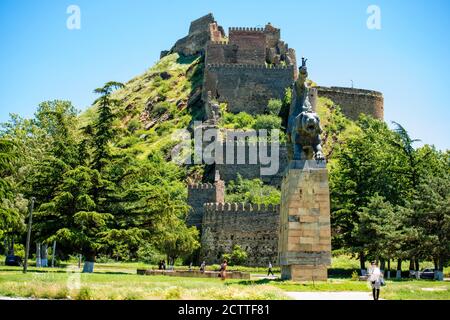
<point>104,130</point>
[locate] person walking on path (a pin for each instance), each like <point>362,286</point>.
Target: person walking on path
<point>376,280</point>
<point>223,270</point>
<point>203,267</point>
<point>270,270</point>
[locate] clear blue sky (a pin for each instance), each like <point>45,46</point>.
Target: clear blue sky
<point>407,60</point>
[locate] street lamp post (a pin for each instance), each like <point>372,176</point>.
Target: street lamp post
<point>30,221</point>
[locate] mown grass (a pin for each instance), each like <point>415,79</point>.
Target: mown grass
<point>118,281</point>
<point>68,285</point>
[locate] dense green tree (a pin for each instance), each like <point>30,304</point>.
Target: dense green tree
<point>58,119</point>
<point>427,217</point>
<point>10,216</point>
<point>148,202</point>
<point>377,229</point>
<point>362,169</point>
<point>70,217</point>
<point>104,130</point>
<point>176,240</point>
<point>7,155</point>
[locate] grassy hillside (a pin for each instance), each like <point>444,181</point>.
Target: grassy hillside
<point>162,99</point>
<point>167,97</point>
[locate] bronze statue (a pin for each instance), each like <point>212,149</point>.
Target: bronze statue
<point>303,128</point>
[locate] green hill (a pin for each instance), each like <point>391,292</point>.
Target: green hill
<point>164,98</point>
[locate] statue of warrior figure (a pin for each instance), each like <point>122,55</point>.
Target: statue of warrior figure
<point>303,127</point>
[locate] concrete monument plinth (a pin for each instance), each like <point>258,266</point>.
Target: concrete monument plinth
<point>305,231</point>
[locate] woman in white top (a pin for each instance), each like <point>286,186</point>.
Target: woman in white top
<point>375,278</point>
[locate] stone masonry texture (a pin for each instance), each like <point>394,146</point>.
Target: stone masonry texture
<point>253,227</point>
<point>305,231</point>
<point>353,101</point>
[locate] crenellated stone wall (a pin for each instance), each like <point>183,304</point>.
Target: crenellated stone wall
<point>250,44</point>
<point>198,195</point>
<point>247,87</point>
<point>253,227</point>
<point>353,101</point>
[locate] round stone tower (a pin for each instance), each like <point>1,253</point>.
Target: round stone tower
<point>354,101</point>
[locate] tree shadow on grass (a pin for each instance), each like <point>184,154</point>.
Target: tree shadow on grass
<point>257,282</point>
<point>35,271</point>
<point>111,272</point>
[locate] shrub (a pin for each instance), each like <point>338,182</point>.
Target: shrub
<point>252,191</point>
<point>241,120</point>
<point>267,121</point>
<point>160,108</point>
<point>274,106</point>
<point>127,142</point>
<point>133,125</point>
<point>237,257</point>
<point>355,276</point>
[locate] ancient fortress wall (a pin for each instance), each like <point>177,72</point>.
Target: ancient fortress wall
<point>198,195</point>
<point>229,169</point>
<point>221,52</point>
<point>273,36</point>
<point>246,87</point>
<point>253,227</point>
<point>251,45</point>
<point>353,102</point>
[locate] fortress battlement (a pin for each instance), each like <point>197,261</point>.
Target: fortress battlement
<point>355,101</point>
<point>348,90</point>
<point>218,207</point>
<point>245,29</point>
<point>201,186</point>
<point>218,42</point>
<point>248,66</point>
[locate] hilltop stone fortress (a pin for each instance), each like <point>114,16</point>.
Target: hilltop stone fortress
<point>245,69</point>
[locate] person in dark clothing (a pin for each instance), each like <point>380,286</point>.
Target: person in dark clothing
<point>223,270</point>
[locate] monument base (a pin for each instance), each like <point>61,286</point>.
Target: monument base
<point>304,273</point>
<point>305,230</point>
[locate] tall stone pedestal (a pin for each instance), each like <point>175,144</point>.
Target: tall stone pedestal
<point>305,231</point>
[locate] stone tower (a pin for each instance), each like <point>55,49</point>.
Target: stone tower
<point>199,194</point>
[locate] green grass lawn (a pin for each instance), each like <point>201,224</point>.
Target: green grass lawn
<point>59,284</point>
<point>119,281</point>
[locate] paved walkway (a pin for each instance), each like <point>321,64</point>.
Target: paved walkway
<point>17,298</point>
<point>347,295</point>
